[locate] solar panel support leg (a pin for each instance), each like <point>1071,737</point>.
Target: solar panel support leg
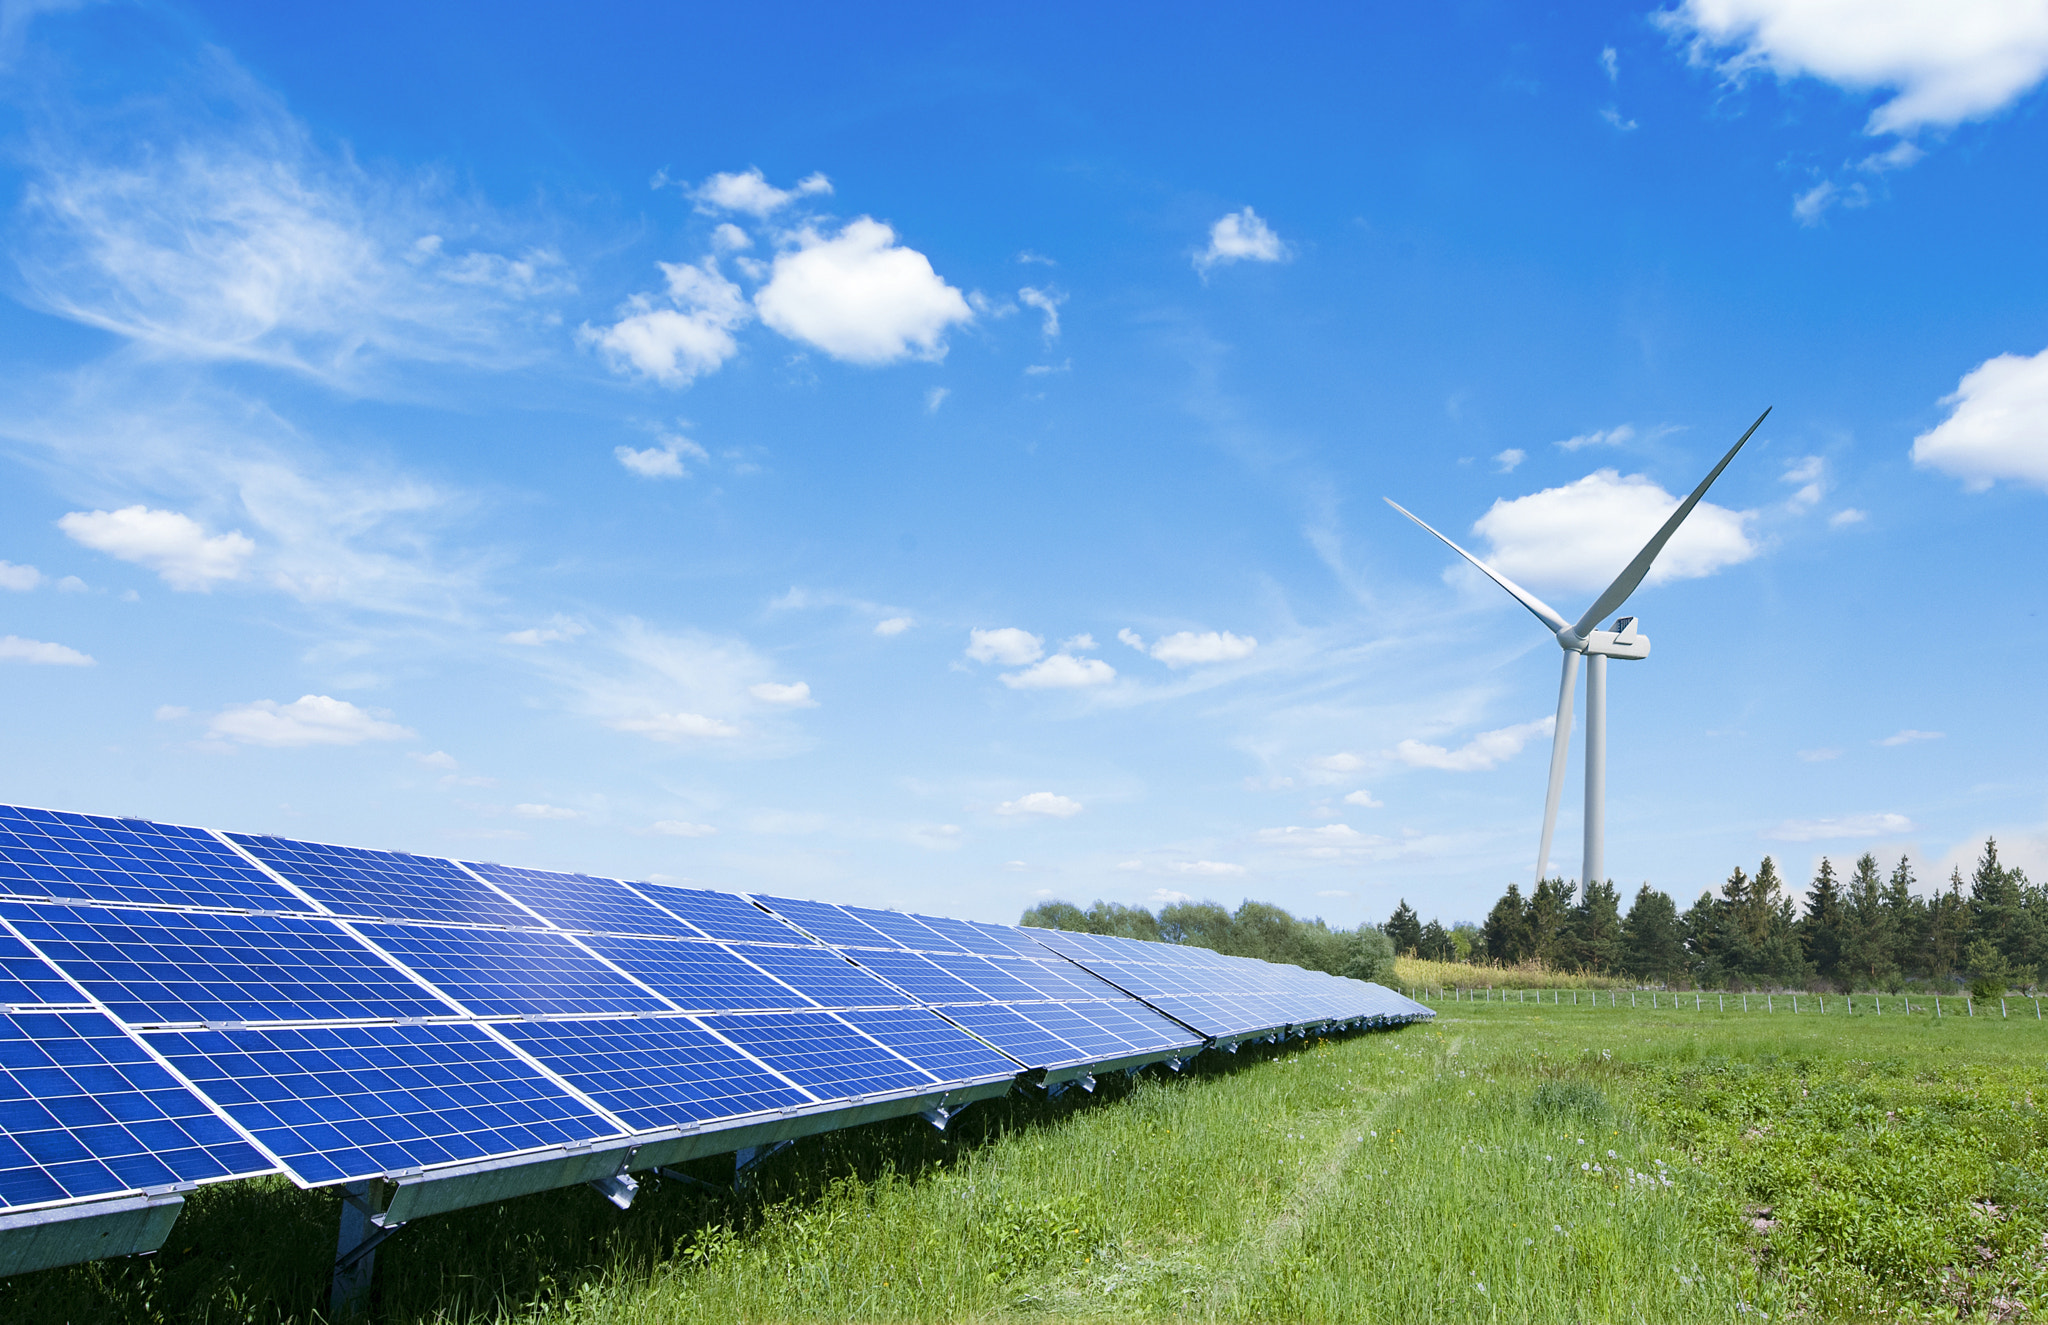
<point>690,1180</point>
<point>745,1161</point>
<point>355,1259</point>
<point>619,1189</point>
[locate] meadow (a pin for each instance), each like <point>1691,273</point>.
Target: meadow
<point>1507,1162</point>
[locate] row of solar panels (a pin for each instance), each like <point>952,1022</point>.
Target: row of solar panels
<point>179,1006</point>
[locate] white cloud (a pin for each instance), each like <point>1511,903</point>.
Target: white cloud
<point>1082,643</point>
<point>1615,436</point>
<point>1610,62</point>
<point>13,648</point>
<point>19,579</point>
<point>173,712</point>
<point>935,397</point>
<point>1506,461</point>
<point>1820,756</point>
<point>1240,237</point>
<point>729,238</point>
<point>1041,802</point>
<point>680,343</point>
<point>440,759</point>
<point>1186,648</point>
<point>1168,897</point>
<point>1997,425</point>
<point>796,695</point>
<point>1132,638</point>
<point>1007,646</point>
<point>556,631</point>
<point>537,811</point>
<point>1909,736</point>
<point>1047,302</point>
<point>653,462</point>
<point>895,625</point>
<point>681,828</point>
<point>675,726</point>
<point>1848,826</point>
<point>307,720</point>
<point>1363,799</point>
<point>1809,474</point>
<point>1847,516</point>
<point>861,297</point>
<point>175,546</point>
<point>1615,119</point>
<point>1342,762</point>
<point>72,584</point>
<point>1208,868</point>
<point>1478,754</point>
<point>1580,536</point>
<point>1062,671</point>
<point>1328,842</point>
<point>1944,63</point>
<point>749,191</point>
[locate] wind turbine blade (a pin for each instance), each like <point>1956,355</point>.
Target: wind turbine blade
<point>1542,609</point>
<point>1625,583</point>
<point>1560,746</point>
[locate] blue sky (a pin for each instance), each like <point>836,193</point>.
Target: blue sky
<point>936,459</point>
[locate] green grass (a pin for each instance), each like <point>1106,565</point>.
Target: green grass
<point>1830,1167</point>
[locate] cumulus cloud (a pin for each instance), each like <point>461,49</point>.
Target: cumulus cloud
<point>1615,436</point>
<point>1580,536</point>
<point>1909,737</point>
<point>174,545</point>
<point>1214,869</point>
<point>307,720</point>
<point>1240,237</point>
<point>1847,516</point>
<point>1506,461</point>
<point>1062,671</point>
<point>1846,827</point>
<point>894,625</point>
<point>13,648</point>
<point>1047,302</point>
<point>1186,648</point>
<point>794,696</point>
<point>1047,803</point>
<point>440,759</point>
<point>19,579</point>
<point>1363,799</point>
<point>678,343</point>
<point>1342,762</point>
<point>1943,64</point>
<point>675,726</point>
<point>1327,842</point>
<point>1997,426</point>
<point>1008,646</point>
<point>662,461</point>
<point>1478,754</point>
<point>681,828</point>
<point>860,296</point>
<point>538,811</point>
<point>749,191</point>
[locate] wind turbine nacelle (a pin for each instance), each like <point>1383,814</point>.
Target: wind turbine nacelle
<point>1621,642</point>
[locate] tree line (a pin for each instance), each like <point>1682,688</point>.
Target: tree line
<point>1255,929</point>
<point>1869,930</point>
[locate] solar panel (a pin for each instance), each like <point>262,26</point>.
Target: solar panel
<point>934,1044</point>
<point>51,854</point>
<point>586,902</point>
<point>85,1112</point>
<point>829,923</point>
<point>1017,1035</point>
<point>698,975</point>
<point>996,984</point>
<point>341,1103</point>
<point>963,936</point>
<point>156,967</point>
<point>918,976</point>
<point>656,1073</point>
<point>723,915</point>
<point>27,980</point>
<point>902,930</point>
<point>495,972</point>
<point>386,885</point>
<point>824,977</point>
<point>821,1053</point>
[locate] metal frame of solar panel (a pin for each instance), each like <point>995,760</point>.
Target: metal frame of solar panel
<point>181,1006</point>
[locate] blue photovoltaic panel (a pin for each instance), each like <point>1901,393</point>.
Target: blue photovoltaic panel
<point>1076,1030</point>
<point>903,930</point>
<point>995,984</point>
<point>85,1112</point>
<point>189,966</point>
<point>341,1103</point>
<point>1017,940</point>
<point>1020,1037</point>
<point>1050,981</point>
<point>1136,1024</point>
<point>586,902</point>
<point>496,972</point>
<point>384,885</point>
<point>723,915</point>
<point>823,1055</point>
<point>44,853</point>
<point>934,1044</point>
<point>697,975</point>
<point>656,1073</point>
<point>26,978</point>
<point>829,923</point>
<point>918,976</point>
<point>959,934</point>
<point>824,977</point>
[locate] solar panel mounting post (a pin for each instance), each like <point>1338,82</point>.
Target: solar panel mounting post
<point>355,1259</point>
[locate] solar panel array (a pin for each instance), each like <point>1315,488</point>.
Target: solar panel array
<point>179,1006</point>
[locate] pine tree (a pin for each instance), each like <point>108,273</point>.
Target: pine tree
<point>1820,932</point>
<point>1867,931</point>
<point>1550,909</point>
<point>1652,944</point>
<point>1948,920</point>
<point>1709,934</point>
<point>1404,929</point>
<point>1909,918</point>
<point>1436,944</point>
<point>1506,931</point>
<point>1594,939</point>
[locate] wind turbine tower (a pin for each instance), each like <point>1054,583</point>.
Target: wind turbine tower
<point>1581,638</point>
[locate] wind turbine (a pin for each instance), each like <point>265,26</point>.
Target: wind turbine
<point>1581,637</point>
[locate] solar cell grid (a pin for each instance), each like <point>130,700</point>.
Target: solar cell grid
<point>27,979</point>
<point>1098,1044</point>
<point>85,1112</point>
<point>919,976</point>
<point>829,923</point>
<point>47,854</point>
<point>822,1054</point>
<point>959,934</point>
<point>170,966</point>
<point>903,929</point>
<point>384,885</point>
<point>697,975</point>
<point>656,1074</point>
<point>586,902</point>
<point>1137,1026</point>
<point>1049,982</point>
<point>723,915</point>
<point>995,984</point>
<point>337,1104</point>
<point>496,973</point>
<point>1017,1035</point>
<point>936,1045</point>
<point>824,977</point>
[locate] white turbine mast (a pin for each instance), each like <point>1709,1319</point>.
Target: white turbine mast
<point>1597,646</point>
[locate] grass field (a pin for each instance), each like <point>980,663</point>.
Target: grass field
<point>1505,1163</point>
<point>1415,973</point>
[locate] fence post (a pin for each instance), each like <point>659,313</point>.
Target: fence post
<point>1937,1005</point>
<point>1631,998</point>
<point>1722,999</point>
<point>1969,1005</point>
<point>1745,1000</point>
<point>1795,1004</point>
<point>1768,1006</point>
<point>2001,1008</point>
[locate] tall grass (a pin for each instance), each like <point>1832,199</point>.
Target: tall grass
<point>1415,973</point>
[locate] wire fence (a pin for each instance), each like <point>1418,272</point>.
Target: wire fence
<point>1933,1005</point>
